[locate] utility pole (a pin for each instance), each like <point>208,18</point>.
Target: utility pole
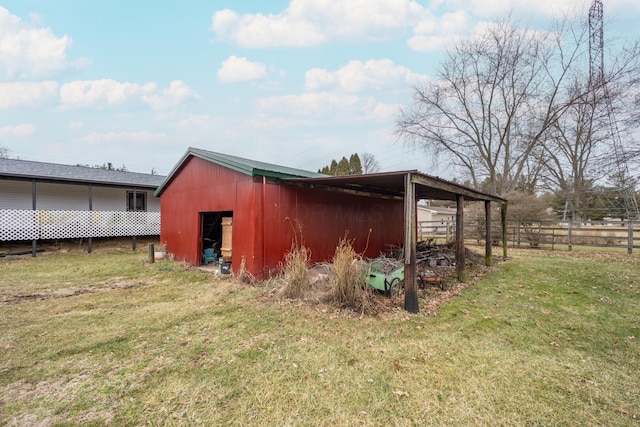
<point>598,88</point>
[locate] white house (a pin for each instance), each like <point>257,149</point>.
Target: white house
<point>433,220</point>
<point>44,201</point>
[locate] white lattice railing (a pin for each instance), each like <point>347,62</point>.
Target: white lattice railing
<point>43,224</point>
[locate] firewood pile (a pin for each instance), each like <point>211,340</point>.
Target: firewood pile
<point>428,254</point>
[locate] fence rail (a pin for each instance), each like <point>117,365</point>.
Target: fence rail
<point>620,234</point>
<point>436,230</point>
<point>17,224</point>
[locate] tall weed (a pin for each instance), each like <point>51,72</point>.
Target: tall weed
<point>349,287</point>
<point>294,269</point>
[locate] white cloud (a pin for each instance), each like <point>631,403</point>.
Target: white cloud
<point>385,112</point>
<point>140,137</point>
<point>21,94</point>
<point>196,121</point>
<point>495,8</point>
<point>27,52</point>
<point>236,69</point>
<point>313,22</point>
<point>83,93</point>
<point>435,33</point>
<point>309,104</point>
<point>326,105</point>
<point>87,93</point>
<point>177,93</point>
<point>19,131</point>
<point>358,76</point>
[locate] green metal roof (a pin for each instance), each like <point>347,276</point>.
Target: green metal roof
<point>238,164</point>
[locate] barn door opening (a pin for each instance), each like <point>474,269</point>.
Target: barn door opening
<point>217,232</point>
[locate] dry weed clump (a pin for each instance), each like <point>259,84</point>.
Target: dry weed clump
<point>294,269</point>
<point>348,285</point>
<point>243,275</point>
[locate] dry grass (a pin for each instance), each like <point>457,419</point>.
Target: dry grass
<point>348,282</point>
<point>243,275</point>
<point>548,339</point>
<point>294,272</point>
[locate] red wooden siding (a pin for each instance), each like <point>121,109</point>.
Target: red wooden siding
<point>268,218</point>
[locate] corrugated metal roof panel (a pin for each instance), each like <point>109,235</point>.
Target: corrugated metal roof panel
<point>252,167</point>
<point>391,184</point>
<point>239,164</point>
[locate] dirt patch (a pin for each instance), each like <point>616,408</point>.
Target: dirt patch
<point>13,249</point>
<point>72,291</point>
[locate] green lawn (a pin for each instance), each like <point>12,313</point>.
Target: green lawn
<point>549,338</point>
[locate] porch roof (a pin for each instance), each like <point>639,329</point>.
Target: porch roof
<point>53,172</point>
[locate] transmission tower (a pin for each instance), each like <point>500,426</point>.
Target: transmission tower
<point>598,85</point>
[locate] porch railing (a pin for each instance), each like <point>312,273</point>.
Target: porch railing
<point>18,224</point>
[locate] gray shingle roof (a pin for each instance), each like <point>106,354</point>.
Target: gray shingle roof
<point>242,165</point>
<point>25,169</point>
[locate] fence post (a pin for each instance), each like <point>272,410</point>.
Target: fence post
<point>630,237</point>
<point>569,240</point>
<point>503,225</point>
<point>152,253</point>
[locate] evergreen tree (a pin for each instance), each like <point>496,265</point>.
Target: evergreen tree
<point>352,166</point>
<point>333,169</point>
<point>355,167</point>
<point>343,167</point>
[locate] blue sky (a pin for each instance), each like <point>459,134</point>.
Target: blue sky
<point>296,82</point>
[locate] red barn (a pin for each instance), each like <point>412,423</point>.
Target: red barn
<point>255,211</point>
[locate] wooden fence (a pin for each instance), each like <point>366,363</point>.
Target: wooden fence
<point>615,234</point>
<point>438,231</point>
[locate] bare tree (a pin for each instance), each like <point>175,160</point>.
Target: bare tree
<point>369,163</point>
<point>496,97</point>
<point>570,151</point>
<point>593,141</point>
<point>4,152</point>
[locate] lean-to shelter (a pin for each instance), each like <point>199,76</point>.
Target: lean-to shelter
<point>253,212</point>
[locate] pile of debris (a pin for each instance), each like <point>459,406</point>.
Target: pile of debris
<point>432,263</point>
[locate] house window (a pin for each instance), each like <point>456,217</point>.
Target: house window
<point>140,202</point>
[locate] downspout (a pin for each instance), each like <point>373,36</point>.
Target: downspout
<point>264,226</point>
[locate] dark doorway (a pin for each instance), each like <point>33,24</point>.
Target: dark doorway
<point>212,229</point>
